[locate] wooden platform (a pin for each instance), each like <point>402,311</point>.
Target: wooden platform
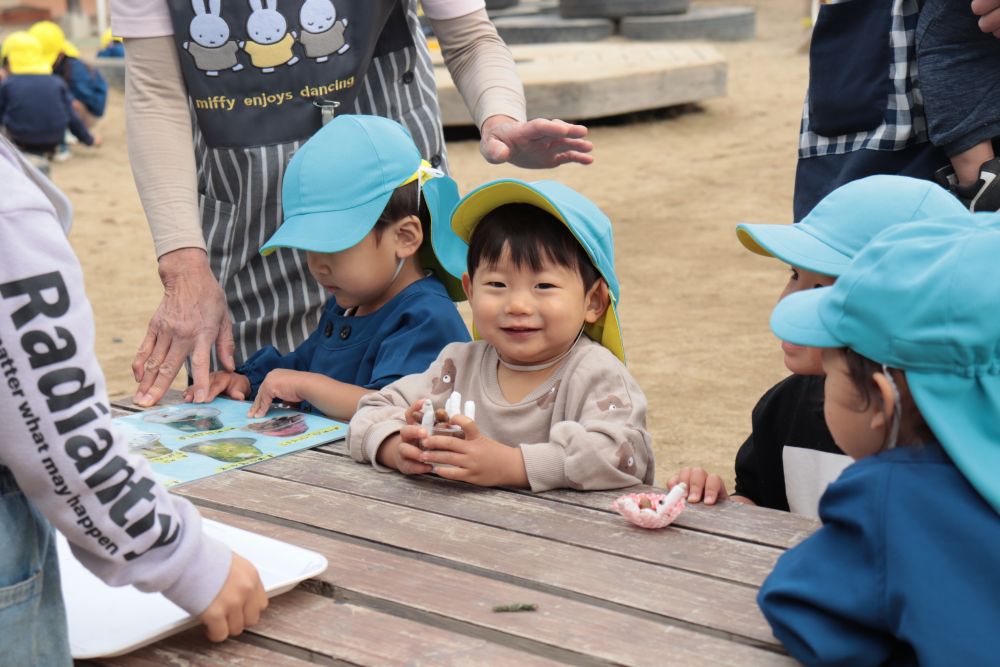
<point>418,564</point>
<point>577,81</point>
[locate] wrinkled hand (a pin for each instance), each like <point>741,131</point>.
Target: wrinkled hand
<point>989,13</point>
<point>191,316</point>
<point>535,144</point>
<point>238,604</point>
<point>476,459</point>
<point>701,485</point>
<point>282,384</point>
<point>229,383</point>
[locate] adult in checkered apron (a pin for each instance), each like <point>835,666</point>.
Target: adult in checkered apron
<point>865,110</point>
<point>250,81</point>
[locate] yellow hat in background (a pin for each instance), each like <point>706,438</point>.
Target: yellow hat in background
<point>53,40</point>
<point>24,54</point>
<point>106,39</point>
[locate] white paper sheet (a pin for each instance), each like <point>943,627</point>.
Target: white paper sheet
<point>108,621</point>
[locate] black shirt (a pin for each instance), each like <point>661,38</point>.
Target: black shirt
<point>789,415</point>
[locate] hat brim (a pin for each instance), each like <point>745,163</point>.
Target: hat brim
<point>311,231</point>
<point>796,319</point>
<point>35,67</point>
<point>446,253</point>
<point>794,245</point>
<point>479,202</point>
<point>961,411</point>
<point>493,195</point>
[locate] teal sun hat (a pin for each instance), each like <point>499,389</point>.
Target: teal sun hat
<point>338,183</point>
<point>923,297</point>
<point>846,219</point>
<point>588,224</point>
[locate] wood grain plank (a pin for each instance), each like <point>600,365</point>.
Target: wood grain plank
<point>367,576</point>
<point>607,532</point>
<point>564,569</point>
<point>758,525</point>
<point>357,635</point>
<point>191,649</point>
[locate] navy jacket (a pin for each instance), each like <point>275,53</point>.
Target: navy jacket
<point>85,83</point>
<point>401,338</point>
<point>904,571</point>
<point>36,109</point>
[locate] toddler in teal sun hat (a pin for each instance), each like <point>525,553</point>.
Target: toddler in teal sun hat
<point>789,457</point>
<point>372,218</point>
<point>555,406</point>
<point>904,568</point>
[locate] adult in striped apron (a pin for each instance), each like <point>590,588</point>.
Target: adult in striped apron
<point>257,78</point>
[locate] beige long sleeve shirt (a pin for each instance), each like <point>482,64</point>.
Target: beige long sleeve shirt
<point>583,428</point>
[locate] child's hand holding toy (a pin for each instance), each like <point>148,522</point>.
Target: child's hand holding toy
<point>473,457</point>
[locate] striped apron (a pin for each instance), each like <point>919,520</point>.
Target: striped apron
<point>255,102</point>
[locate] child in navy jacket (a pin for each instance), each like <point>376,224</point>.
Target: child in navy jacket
<point>355,199</point>
<point>903,570</point>
<point>36,108</point>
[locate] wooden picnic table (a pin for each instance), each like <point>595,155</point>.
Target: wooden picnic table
<point>416,566</point>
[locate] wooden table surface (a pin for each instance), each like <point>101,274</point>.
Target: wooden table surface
<point>417,564</point>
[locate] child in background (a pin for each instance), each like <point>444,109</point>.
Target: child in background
<point>960,82</point>
<point>111,46</point>
<point>89,89</point>
<point>61,462</point>
<point>904,569</point>
<point>36,108</point>
<point>790,458</point>
<point>555,405</point>
<point>360,201</point>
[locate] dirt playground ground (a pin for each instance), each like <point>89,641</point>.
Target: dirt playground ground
<point>695,304</point>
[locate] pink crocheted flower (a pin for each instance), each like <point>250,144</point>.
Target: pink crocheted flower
<point>652,510</point>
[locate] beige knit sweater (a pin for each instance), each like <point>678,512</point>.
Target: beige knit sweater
<point>583,428</point>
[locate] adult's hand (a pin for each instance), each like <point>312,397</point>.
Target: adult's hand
<point>191,318</point>
<point>989,13</point>
<point>535,144</point>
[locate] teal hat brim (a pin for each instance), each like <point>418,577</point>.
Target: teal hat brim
<point>796,319</point>
<point>961,411</point>
<point>312,231</point>
<point>793,245</point>
<point>446,253</point>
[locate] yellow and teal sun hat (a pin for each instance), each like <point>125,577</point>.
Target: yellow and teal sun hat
<point>922,297</point>
<point>338,183</point>
<point>845,220</point>
<point>588,224</point>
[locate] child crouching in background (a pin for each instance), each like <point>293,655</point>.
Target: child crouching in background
<point>36,107</point>
<point>903,570</point>
<point>555,405</point>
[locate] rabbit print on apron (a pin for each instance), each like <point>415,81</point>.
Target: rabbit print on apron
<point>257,70</point>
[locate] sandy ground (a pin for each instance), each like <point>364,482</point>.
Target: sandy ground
<point>695,304</point>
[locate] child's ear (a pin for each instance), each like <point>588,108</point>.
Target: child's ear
<point>467,285</point>
<point>882,418</point>
<point>408,235</point>
<point>597,299</point>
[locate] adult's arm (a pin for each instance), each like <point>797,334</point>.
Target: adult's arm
<point>192,315</point>
<point>484,73</point>
<point>989,13</point>
<point>58,437</point>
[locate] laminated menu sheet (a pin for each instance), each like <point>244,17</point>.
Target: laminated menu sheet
<point>194,440</point>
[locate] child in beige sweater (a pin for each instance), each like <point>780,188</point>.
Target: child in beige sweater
<point>555,405</point>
